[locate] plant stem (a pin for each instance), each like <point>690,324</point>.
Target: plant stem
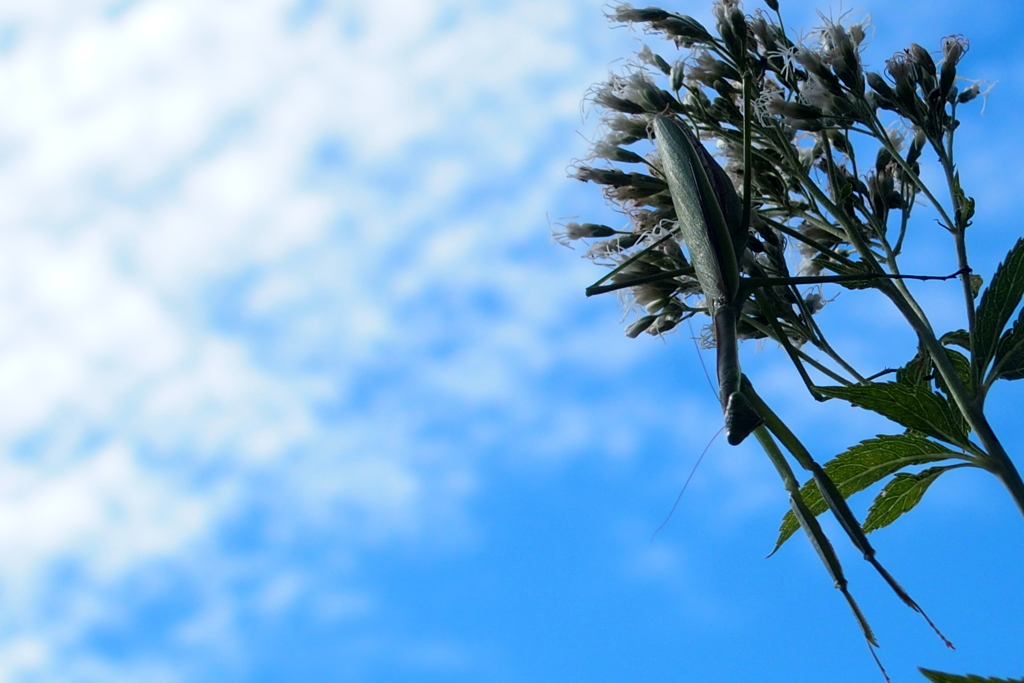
<point>997,462</point>
<point>960,235</point>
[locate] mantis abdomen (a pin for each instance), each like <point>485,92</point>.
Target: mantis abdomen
<point>741,418</point>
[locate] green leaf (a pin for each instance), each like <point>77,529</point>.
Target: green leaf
<point>961,338</point>
<point>914,407</point>
<point>976,282</point>
<point>1009,360</point>
<point>900,496</point>
<point>962,366</point>
<point>958,417</point>
<point>916,371</point>
<point>998,303</point>
<point>921,369</point>
<point>939,677</point>
<point>862,465</point>
<point>965,205</point>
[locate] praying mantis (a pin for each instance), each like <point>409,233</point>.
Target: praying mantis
<point>713,223</point>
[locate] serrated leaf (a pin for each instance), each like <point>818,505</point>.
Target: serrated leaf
<point>914,407</point>
<point>961,338</point>
<point>916,371</point>
<point>958,418</point>
<point>1009,360</point>
<point>920,369</point>
<point>900,496</point>
<point>940,677</point>
<point>998,303</point>
<point>861,466</point>
<point>961,365</point>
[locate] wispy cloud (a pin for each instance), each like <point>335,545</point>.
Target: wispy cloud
<point>274,291</point>
<point>265,273</point>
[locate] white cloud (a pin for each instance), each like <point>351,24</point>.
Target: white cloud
<point>107,510</point>
<point>199,319</point>
<point>254,267</point>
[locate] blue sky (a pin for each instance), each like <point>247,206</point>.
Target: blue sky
<point>296,386</point>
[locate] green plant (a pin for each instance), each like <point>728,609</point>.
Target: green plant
<point>791,120</point>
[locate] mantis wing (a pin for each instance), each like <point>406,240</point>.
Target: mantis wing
<point>709,220</point>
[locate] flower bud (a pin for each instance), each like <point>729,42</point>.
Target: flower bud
<point>724,88</point>
<point>725,110</point>
<point>677,76</point>
<point>773,5</point>
<point>647,56</point>
<point>922,59</point>
<point>791,110</point>
<point>739,27</point>
<point>732,26</point>
<point>924,71</point>
<point>878,84</point>
<point>612,152</point>
<point>846,60</point>
<point>882,160</point>
<point>663,324</point>
<point>882,194</point>
<point>954,48</point>
<point>639,88</point>
<point>601,176</point>
<point>904,73</point>
<point>857,33</point>
<point>608,95</point>
<point>814,301</point>
<point>916,146</point>
<point>811,61</point>
<point>942,93</point>
<point>653,299</point>
<point>576,231</point>
<point>808,125</point>
<point>627,14</point>
<point>640,326</point>
<point>685,31</point>
<point>615,245</point>
<point>625,130</point>
<point>672,249</point>
<point>762,31</point>
<point>969,94</point>
<point>629,193</point>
